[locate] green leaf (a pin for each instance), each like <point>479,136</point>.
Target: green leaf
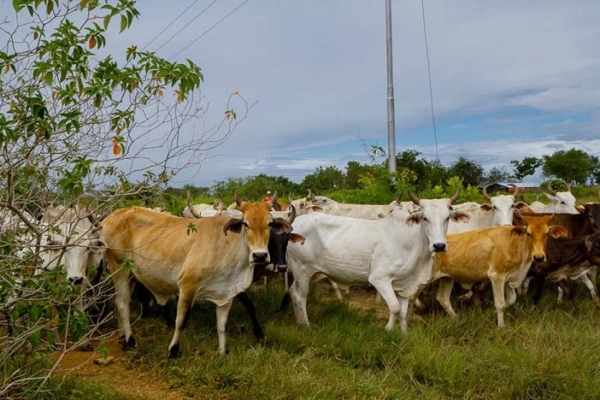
<point>123,23</point>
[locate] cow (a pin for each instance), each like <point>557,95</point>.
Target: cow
<point>207,258</point>
<point>500,254</point>
<point>394,254</point>
<point>586,222</point>
<point>560,202</point>
<point>498,212</point>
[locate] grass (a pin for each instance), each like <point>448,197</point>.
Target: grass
<point>543,352</point>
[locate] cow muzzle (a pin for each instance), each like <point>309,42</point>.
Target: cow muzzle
<point>260,257</point>
<point>439,247</point>
<point>538,258</point>
<point>281,268</point>
<point>76,280</point>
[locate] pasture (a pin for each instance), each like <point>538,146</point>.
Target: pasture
<point>543,352</point>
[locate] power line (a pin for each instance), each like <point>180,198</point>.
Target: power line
<point>430,86</point>
<point>186,25</point>
<point>168,25</point>
<point>209,29</point>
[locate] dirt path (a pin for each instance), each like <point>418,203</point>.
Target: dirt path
<point>137,385</point>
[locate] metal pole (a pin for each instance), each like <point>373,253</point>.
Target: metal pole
<point>391,123</point>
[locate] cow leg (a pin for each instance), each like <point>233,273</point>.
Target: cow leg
<point>538,288</point>
<point>404,306</point>
<point>562,284</point>
<point>384,287</point>
<point>251,310</point>
<point>591,287</point>
<point>222,315</point>
<point>183,307</point>
<point>510,295</point>
<point>498,285</point>
<point>122,302</point>
<point>443,295</point>
<point>298,294</point>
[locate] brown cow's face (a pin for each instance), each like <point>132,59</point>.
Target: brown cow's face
<point>536,230</point>
<point>257,228</point>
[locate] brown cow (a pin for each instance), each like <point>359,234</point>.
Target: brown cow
<point>207,258</point>
<point>499,254</point>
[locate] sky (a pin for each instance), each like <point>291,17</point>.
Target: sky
<point>509,79</point>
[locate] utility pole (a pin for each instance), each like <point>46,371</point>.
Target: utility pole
<point>391,122</point>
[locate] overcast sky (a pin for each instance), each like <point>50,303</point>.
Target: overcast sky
<point>510,79</point>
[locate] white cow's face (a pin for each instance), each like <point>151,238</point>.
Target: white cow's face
<point>562,202</point>
<point>503,206</point>
<point>434,218</point>
<point>323,201</point>
<point>75,255</point>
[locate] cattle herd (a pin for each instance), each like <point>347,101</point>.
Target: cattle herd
<point>215,253</point>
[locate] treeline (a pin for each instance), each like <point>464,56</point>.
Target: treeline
<point>373,183</point>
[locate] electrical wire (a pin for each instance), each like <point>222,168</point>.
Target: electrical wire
<point>186,25</point>
<point>169,25</point>
<point>430,85</point>
<point>209,29</point>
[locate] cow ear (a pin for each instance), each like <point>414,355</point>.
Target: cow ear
<point>487,207</point>
<point>297,238</point>
<point>518,230</point>
<point>280,226</point>
<point>558,231</point>
<point>460,216</point>
<point>98,245</point>
<point>414,218</point>
<point>234,225</point>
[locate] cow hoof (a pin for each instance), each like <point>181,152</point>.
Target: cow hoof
<point>174,352</point>
<point>127,344</point>
<point>86,347</point>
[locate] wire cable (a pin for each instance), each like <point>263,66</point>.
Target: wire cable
<point>186,25</point>
<point>209,29</point>
<point>168,25</point>
<point>430,86</point>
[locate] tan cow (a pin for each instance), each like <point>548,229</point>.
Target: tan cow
<point>501,254</point>
<point>207,258</point>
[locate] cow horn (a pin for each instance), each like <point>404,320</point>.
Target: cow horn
<point>568,187</point>
<point>310,195</point>
<point>292,216</point>
<point>455,197</point>
<point>515,189</point>
<point>190,206</point>
<point>238,200</point>
<point>485,193</point>
<point>413,197</point>
<point>290,197</point>
<point>552,191</point>
<point>274,198</point>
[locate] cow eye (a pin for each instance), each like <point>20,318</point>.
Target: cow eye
<point>245,224</point>
<point>425,219</point>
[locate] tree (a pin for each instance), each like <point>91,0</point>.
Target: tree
<point>84,124</point>
<point>470,171</point>
<point>323,180</point>
<point>498,174</point>
<point>526,167</point>
<point>573,166</point>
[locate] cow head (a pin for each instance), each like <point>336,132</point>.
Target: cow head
<point>75,251</point>
<point>434,215</point>
<point>536,229</point>
<point>502,205</point>
<point>592,211</point>
<point>256,224</point>
<point>278,242</point>
<point>561,202</point>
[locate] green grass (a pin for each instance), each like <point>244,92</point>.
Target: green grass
<point>545,352</point>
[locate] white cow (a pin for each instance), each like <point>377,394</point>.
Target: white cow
<point>393,254</point>
<point>499,212</point>
<point>560,202</point>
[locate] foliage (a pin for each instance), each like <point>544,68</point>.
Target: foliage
<point>324,179</point>
<point>526,167</point>
<point>498,174</point>
<point>78,124</point>
<point>470,171</point>
<point>573,166</point>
